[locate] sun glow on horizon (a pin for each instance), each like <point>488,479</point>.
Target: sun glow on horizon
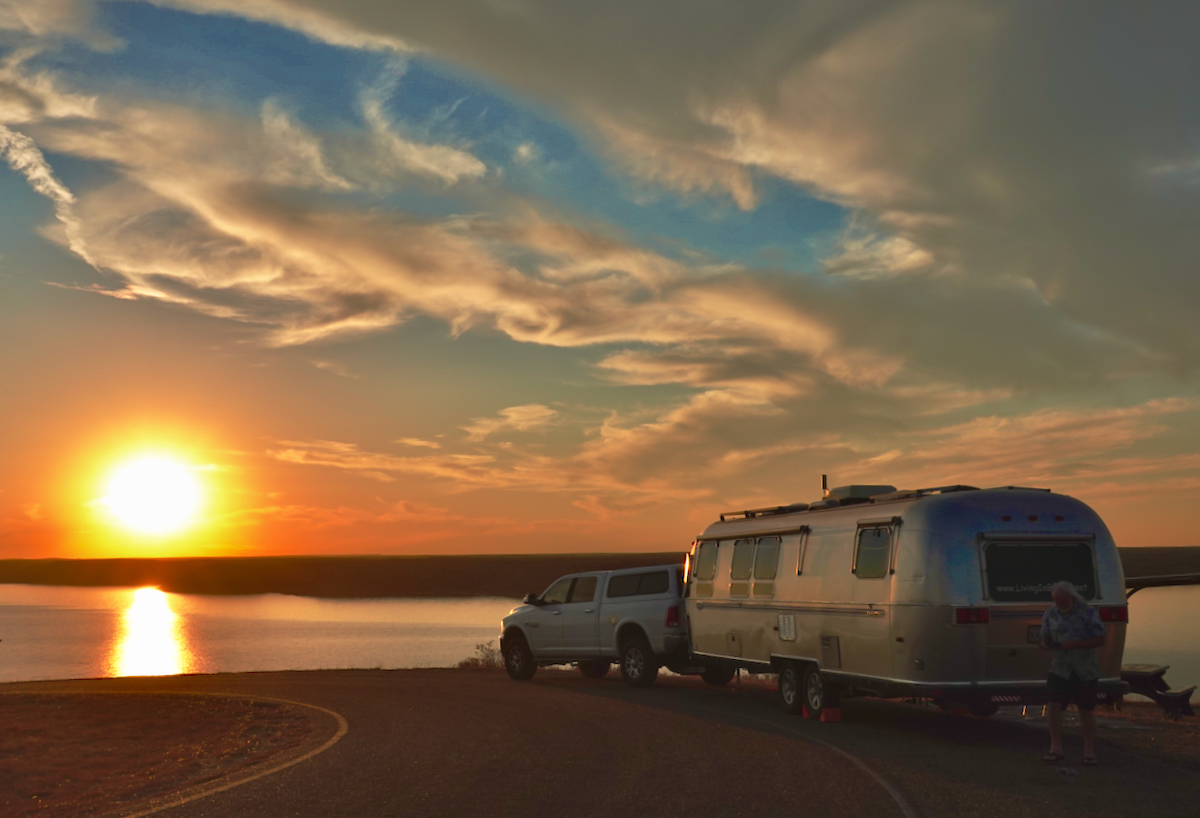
<point>152,495</point>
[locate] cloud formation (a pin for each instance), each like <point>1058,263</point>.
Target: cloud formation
<point>1021,243</point>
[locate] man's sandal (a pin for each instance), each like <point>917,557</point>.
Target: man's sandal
<point>1054,758</point>
<point>1090,761</point>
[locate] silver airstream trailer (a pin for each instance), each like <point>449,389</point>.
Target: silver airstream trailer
<point>934,594</point>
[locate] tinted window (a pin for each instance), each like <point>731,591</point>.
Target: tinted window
<point>655,582</point>
<point>874,549</point>
<point>706,561</point>
<point>743,559</point>
<point>651,582</point>
<point>766,558</point>
<point>584,590</point>
<point>1024,572</point>
<point>558,591</point>
<point>623,585</point>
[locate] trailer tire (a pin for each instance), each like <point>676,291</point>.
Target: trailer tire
<point>518,658</point>
<point>791,687</point>
<point>718,675</point>
<point>639,666</point>
<point>818,694</point>
<point>595,669</point>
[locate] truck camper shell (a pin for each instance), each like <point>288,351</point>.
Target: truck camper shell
<point>932,593</point>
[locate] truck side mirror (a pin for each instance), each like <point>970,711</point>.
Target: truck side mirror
<point>531,599</point>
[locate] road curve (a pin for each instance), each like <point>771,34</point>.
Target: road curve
<point>446,742</point>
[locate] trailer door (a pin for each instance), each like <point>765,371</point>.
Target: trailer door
<point>867,648</point>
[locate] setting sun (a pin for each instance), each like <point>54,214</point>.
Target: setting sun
<point>152,495</point>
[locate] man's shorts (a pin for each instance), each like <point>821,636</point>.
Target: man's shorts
<point>1081,691</point>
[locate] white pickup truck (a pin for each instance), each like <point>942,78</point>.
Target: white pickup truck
<point>631,616</point>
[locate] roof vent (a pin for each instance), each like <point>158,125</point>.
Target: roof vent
<point>828,502</point>
<point>858,494</point>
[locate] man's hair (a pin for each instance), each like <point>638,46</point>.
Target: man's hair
<point>1069,589</point>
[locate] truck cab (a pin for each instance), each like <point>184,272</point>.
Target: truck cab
<point>593,618</point>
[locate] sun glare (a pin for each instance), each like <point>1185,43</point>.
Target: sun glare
<point>152,495</point>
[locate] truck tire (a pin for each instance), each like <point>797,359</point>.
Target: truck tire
<point>791,687</point>
<point>639,666</point>
<point>718,675</point>
<point>596,669</point>
<point>818,693</point>
<point>518,658</point>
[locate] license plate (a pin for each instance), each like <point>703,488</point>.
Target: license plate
<point>1034,634</point>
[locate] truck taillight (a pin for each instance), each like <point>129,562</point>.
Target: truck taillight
<point>1113,613</point>
<point>673,616</point>
<point>972,616</point>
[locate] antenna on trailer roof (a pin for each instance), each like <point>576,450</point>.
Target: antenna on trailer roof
<point>824,485</point>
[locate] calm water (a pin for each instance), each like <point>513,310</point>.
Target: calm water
<point>70,633</point>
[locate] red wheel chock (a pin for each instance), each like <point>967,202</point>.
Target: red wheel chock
<point>831,714</point>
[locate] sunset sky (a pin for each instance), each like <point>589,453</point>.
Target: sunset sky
<point>539,276</point>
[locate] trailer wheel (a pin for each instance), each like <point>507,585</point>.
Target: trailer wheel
<point>639,667</point>
<point>817,695</point>
<point>596,669</point>
<point>791,680</point>
<point>718,675</point>
<point>518,658</point>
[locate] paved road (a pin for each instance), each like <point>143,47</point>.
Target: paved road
<point>444,742</point>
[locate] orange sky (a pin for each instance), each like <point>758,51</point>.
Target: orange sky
<point>406,279</point>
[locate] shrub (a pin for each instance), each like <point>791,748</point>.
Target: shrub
<point>487,657</point>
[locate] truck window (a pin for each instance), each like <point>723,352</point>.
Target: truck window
<point>743,559</point>
<point>558,591</point>
<point>706,561</point>
<point>1024,572</point>
<point>584,590</point>
<point>766,558</point>
<point>650,582</point>
<point>873,552</point>
<point>654,582</point>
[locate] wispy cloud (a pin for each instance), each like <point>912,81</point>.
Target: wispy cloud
<point>518,418</point>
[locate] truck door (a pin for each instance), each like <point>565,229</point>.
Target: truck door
<point>543,625</point>
<point>581,618</point>
<point>868,647</point>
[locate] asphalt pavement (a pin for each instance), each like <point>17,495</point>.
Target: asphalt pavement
<point>453,743</point>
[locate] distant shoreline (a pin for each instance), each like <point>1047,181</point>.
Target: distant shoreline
<point>351,577</point>
<point>364,577</point>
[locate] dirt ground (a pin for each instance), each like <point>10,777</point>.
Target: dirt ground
<point>62,755</point>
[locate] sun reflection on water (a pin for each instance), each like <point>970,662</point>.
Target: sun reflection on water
<point>151,641</point>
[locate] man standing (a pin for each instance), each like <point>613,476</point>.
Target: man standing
<point>1072,630</point>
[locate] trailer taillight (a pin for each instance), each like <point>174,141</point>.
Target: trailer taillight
<point>972,616</point>
<point>673,616</point>
<point>1113,613</point>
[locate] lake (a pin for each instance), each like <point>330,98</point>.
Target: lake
<point>70,633</point>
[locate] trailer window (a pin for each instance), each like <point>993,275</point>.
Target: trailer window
<point>743,559</point>
<point>766,558</point>
<point>1024,572</point>
<point>706,560</point>
<point>871,556</point>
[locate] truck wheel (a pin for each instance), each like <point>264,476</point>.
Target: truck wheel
<point>817,694</point>
<point>518,658</point>
<point>791,687</point>
<point>639,667</point>
<point>718,675</point>
<point>597,669</point>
